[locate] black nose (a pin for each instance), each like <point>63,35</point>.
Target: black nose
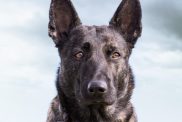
<point>97,88</point>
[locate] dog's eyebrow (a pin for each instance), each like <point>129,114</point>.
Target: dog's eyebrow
<point>86,46</point>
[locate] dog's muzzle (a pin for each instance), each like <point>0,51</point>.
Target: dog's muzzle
<point>97,92</point>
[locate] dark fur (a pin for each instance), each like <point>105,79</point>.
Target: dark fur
<point>98,44</point>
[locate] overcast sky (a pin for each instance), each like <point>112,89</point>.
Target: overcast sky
<point>29,59</point>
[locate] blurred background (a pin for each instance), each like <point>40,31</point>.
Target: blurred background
<point>29,60</point>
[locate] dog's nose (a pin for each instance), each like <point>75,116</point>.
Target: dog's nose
<point>97,88</point>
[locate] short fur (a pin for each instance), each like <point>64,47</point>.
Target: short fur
<point>94,55</point>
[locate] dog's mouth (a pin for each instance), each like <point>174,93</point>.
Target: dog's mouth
<point>108,103</point>
<point>98,102</point>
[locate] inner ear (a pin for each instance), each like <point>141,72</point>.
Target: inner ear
<point>63,17</point>
<point>127,20</point>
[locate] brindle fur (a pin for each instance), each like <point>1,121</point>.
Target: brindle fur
<point>97,44</point>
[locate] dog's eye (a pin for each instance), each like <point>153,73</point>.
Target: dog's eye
<point>116,55</point>
<point>78,55</point>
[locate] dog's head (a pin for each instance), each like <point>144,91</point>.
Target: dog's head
<point>94,59</point>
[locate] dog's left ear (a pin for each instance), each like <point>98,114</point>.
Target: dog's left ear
<point>127,20</point>
<point>62,18</point>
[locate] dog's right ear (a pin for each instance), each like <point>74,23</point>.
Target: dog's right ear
<point>63,18</point>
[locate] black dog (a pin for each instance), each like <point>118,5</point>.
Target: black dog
<point>94,81</point>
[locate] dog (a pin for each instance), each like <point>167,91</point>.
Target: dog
<point>94,82</point>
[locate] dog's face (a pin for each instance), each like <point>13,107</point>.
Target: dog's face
<point>94,59</point>
<point>94,62</point>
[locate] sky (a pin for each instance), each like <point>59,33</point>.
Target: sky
<point>29,59</point>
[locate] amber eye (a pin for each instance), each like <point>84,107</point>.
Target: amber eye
<point>78,55</point>
<point>115,55</point>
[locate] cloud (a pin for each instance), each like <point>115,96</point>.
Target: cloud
<point>25,19</point>
<point>165,16</point>
<point>28,61</point>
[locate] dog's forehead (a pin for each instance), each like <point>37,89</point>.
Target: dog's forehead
<point>96,34</point>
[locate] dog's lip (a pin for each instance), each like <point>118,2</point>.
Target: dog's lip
<point>99,102</point>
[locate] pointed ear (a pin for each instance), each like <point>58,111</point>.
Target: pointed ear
<point>63,18</point>
<point>127,20</point>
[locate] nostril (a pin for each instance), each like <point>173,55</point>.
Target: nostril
<point>101,90</point>
<point>91,90</point>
